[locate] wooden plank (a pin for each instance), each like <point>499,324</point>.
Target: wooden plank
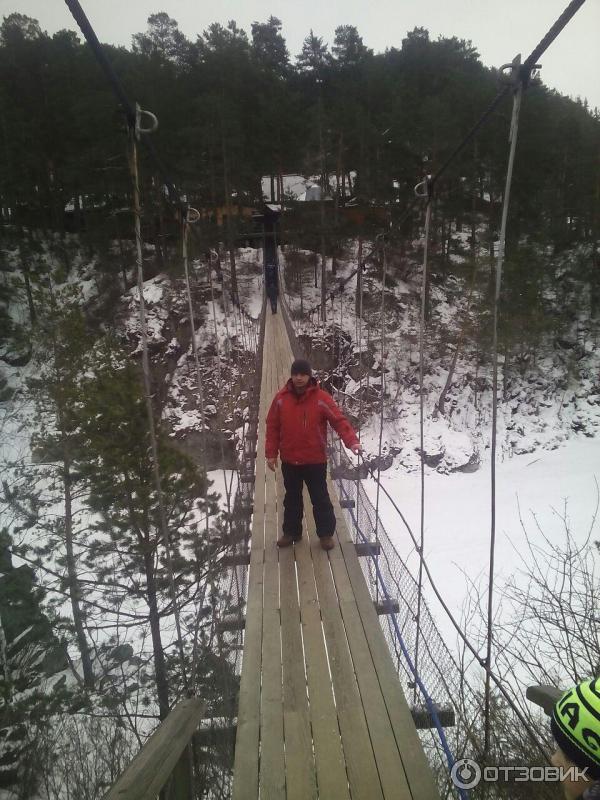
<point>332,779</point>
<point>299,762</point>
<point>152,766</point>
<point>246,759</point>
<point>330,766</point>
<point>387,756</point>
<point>264,724</point>
<point>385,748</point>
<point>417,769</point>
<point>272,762</point>
<point>182,778</point>
<point>329,755</point>
<point>342,726</point>
<point>360,761</point>
<point>247,749</point>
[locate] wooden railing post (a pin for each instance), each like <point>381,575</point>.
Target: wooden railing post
<point>180,787</point>
<point>164,761</point>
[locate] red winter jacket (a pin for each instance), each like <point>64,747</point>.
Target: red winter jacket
<point>297,425</point>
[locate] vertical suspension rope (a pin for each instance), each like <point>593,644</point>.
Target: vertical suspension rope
<point>164,528</point>
<point>381,409</point>
<point>339,366</point>
<point>220,388</point>
<point>231,361</point>
<point>514,126</point>
<point>360,366</point>
<point>191,216</point>
<point>424,278</point>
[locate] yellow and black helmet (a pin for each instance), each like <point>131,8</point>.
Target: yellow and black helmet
<point>575,725</point>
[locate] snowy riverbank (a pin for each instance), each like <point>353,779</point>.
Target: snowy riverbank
<point>543,489</point>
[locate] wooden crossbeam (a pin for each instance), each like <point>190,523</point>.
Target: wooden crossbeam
<point>367,548</point>
<point>215,732</point>
<point>233,623</point>
<point>390,606</point>
<point>235,560</point>
<point>244,510</point>
<point>423,719</point>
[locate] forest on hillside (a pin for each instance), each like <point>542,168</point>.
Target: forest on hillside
<point>92,658</point>
<point>233,107</point>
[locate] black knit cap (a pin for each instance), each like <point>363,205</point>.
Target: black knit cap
<point>301,367</point>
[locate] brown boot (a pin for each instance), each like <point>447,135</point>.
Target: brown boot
<point>327,542</point>
<point>285,541</point>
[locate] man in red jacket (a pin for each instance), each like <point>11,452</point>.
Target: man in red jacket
<point>297,430</point>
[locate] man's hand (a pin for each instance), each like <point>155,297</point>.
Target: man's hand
<point>356,449</point>
<point>272,464</point>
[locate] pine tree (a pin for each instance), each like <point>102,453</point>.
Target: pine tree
<point>61,344</point>
<point>30,655</point>
<point>269,47</point>
<point>163,39</point>
<point>314,56</point>
<point>123,498</point>
<point>348,47</point>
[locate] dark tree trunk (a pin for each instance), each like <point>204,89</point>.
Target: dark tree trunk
<point>160,669</point>
<point>359,280</point>
<point>230,244</point>
<point>28,292</point>
<point>160,237</point>
<point>74,585</point>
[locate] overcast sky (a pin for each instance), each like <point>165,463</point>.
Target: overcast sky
<point>498,28</point>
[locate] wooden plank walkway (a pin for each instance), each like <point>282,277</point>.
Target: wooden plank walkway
<point>321,711</point>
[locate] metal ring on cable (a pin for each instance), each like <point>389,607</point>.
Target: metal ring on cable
<point>140,113</point>
<point>422,188</point>
<point>192,215</point>
<point>507,72</point>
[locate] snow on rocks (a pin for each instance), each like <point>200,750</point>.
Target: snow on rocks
<point>156,312</point>
<point>547,394</point>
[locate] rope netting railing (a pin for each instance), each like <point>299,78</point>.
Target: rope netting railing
<point>232,562</point>
<point>243,501</point>
<point>362,521</point>
<point>390,580</point>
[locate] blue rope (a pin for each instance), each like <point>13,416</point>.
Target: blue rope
<point>463,794</point>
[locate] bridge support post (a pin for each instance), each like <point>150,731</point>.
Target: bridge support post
<point>181,780</point>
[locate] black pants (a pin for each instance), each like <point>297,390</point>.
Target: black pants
<point>315,478</point>
<point>273,301</point>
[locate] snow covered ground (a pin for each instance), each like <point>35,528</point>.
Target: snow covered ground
<point>541,489</point>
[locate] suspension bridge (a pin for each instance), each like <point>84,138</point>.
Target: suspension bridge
<point>320,701</point>
<point>322,709</point>
<point>321,712</point>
